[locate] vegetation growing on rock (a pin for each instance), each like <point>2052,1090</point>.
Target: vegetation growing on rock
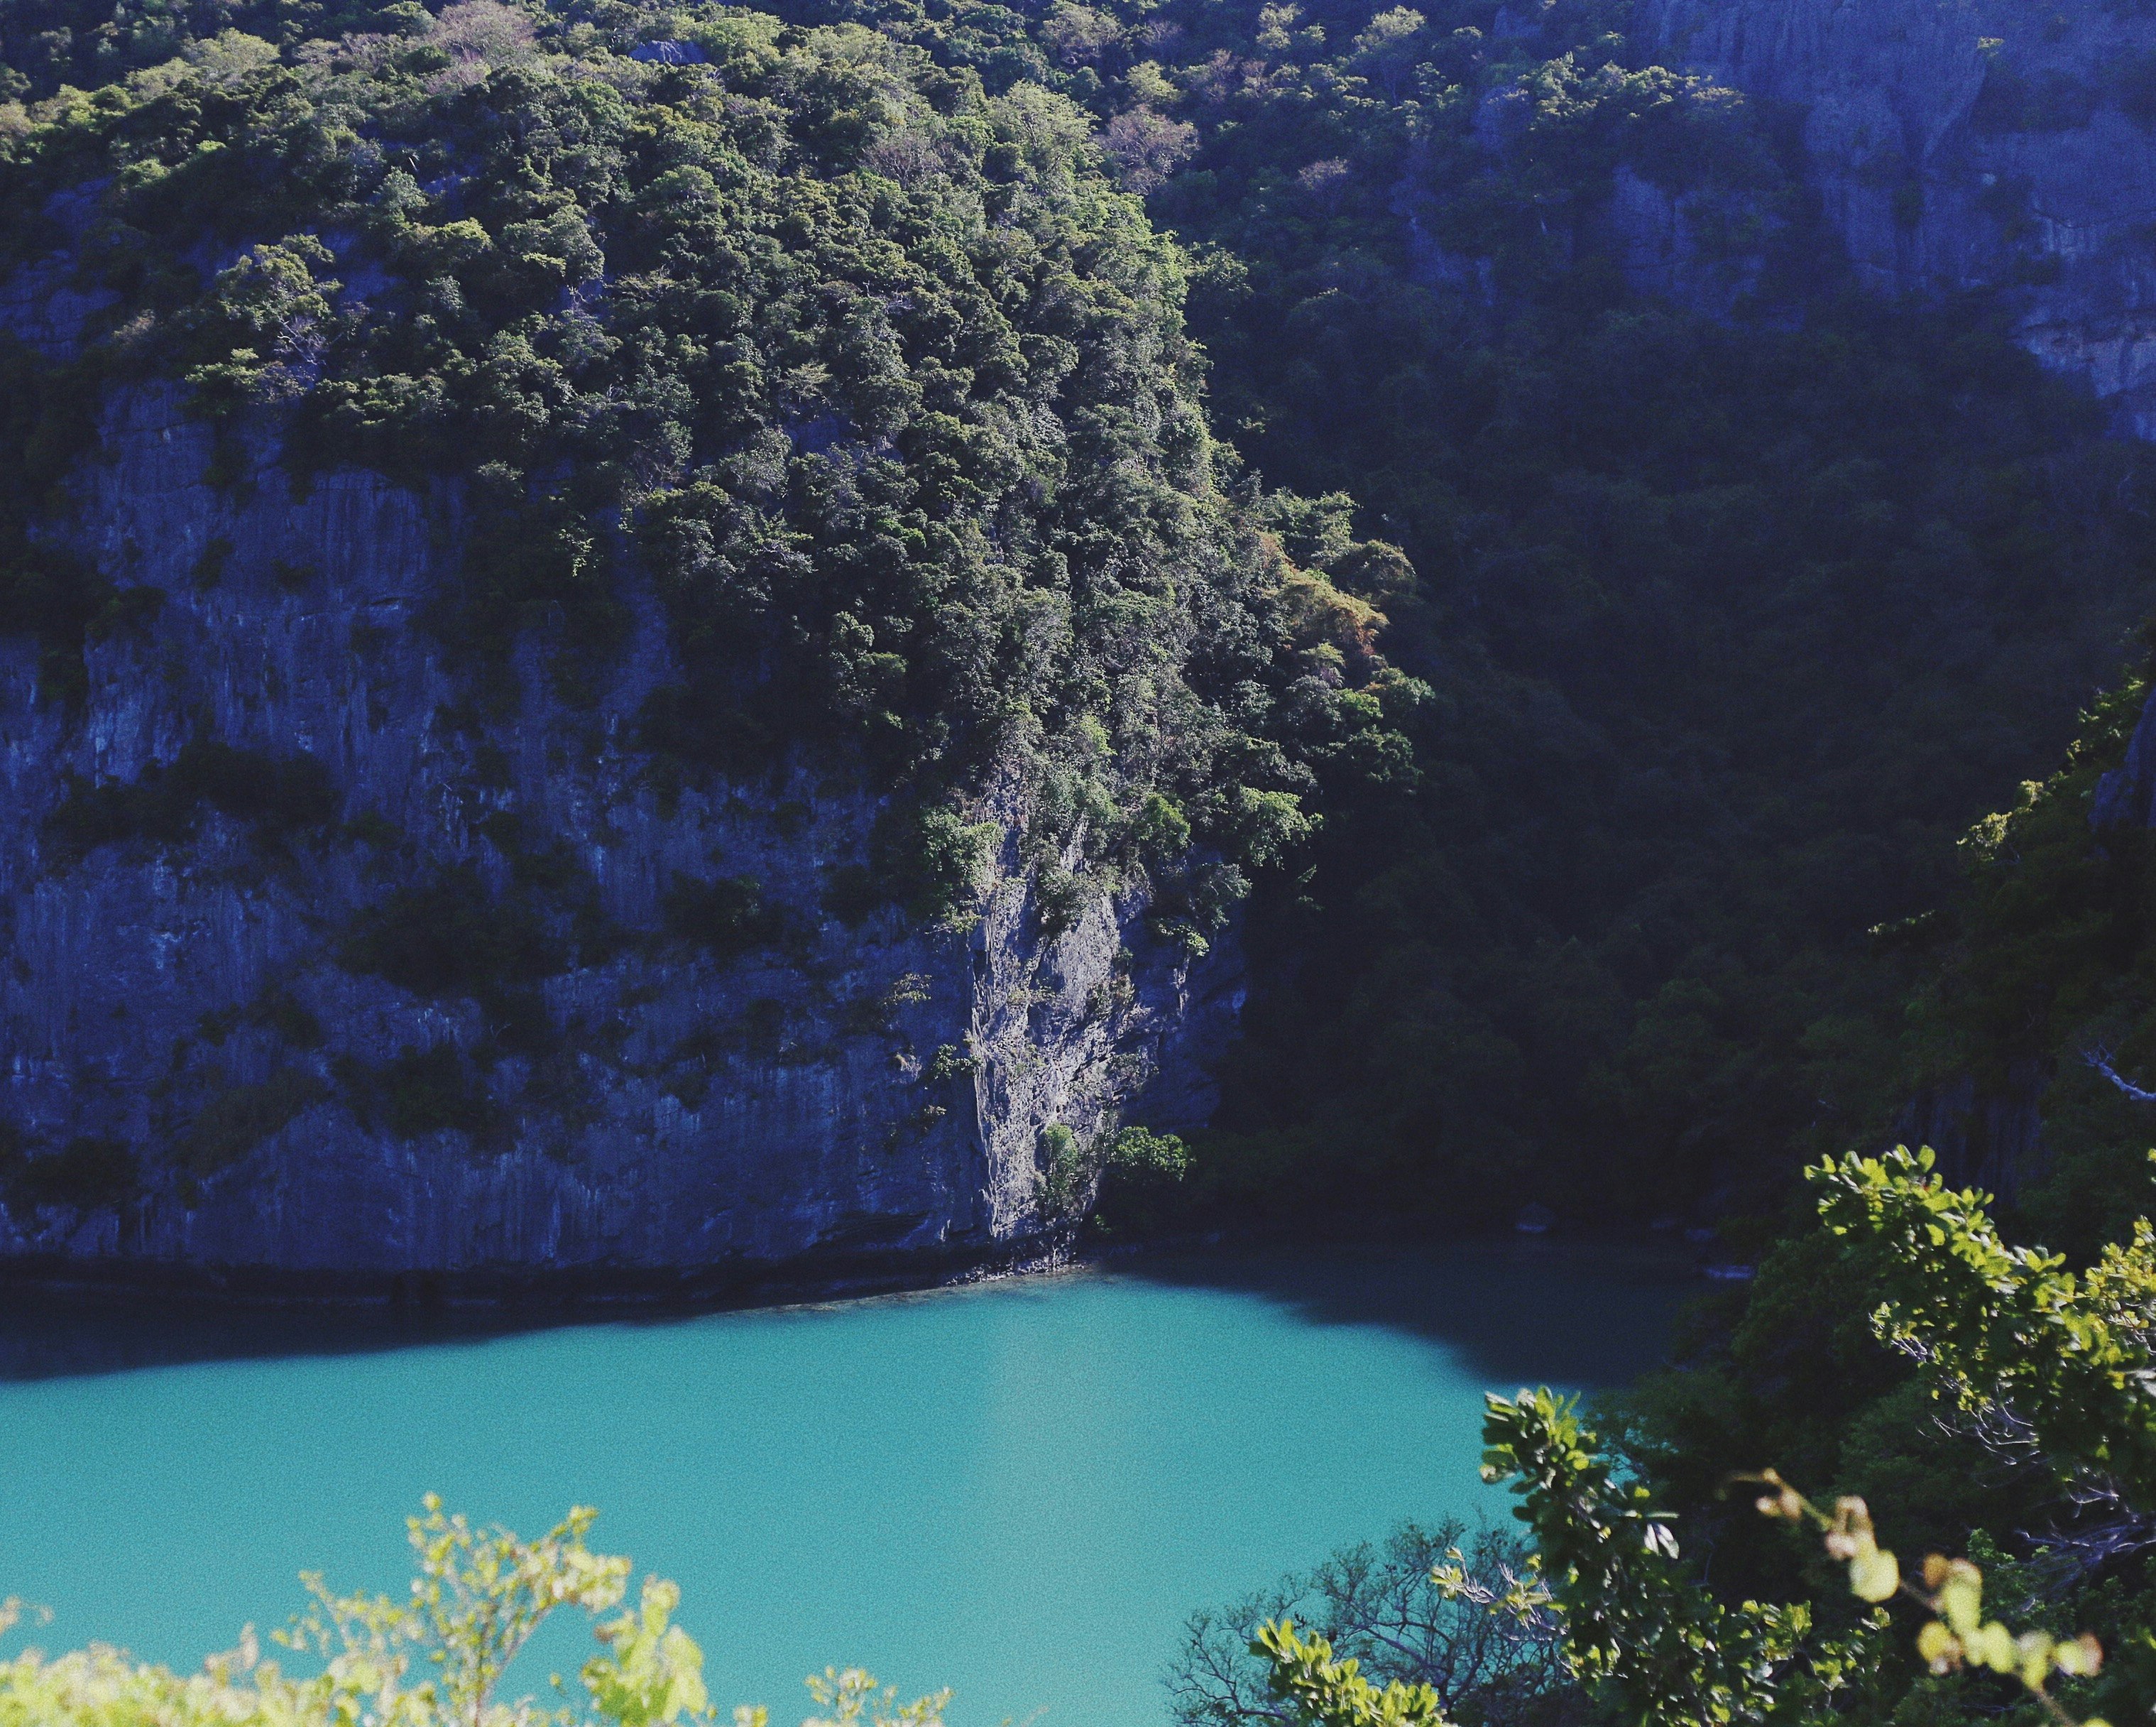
<point>868,377</point>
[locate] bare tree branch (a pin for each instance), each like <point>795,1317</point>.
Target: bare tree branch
<point>1380,1604</point>
<point>2099,1058</point>
<point>2095,1527</point>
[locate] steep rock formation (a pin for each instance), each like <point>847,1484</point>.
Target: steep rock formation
<point>1980,143</point>
<point>1994,1140</point>
<point>646,670</point>
<point>2125,795</point>
<point>221,1071</point>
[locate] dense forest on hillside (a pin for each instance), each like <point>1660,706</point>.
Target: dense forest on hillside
<point>623,282</point>
<point>1739,594</point>
<point>1602,673</point>
<point>1727,597</point>
<point>861,382</point>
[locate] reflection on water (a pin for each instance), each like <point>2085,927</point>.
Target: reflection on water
<point>1018,1489</point>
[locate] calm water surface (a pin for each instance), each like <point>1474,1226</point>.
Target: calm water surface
<point>1018,1489</point>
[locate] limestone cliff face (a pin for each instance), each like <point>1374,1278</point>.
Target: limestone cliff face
<point>2125,795</point>
<point>1969,143</point>
<point>1994,1140</point>
<point>186,997</point>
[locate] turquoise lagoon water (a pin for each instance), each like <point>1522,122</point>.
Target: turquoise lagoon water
<point>1017,1489</point>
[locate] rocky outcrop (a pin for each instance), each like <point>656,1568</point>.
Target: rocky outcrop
<point>1994,1140</point>
<point>210,1060</point>
<point>1673,243</point>
<point>2125,795</point>
<point>1997,144</point>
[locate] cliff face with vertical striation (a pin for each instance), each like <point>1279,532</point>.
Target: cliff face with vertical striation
<point>186,1022</point>
<point>1998,144</point>
<point>635,668</point>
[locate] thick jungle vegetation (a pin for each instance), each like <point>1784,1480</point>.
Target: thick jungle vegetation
<point>868,372</point>
<point>1976,1365</point>
<point>1645,628</point>
<point>1964,1376</point>
<point>1738,594</point>
<point>1221,415</point>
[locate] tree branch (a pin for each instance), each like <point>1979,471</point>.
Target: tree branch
<point>2100,1060</point>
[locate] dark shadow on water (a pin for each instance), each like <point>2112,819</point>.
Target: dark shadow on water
<point>1579,1315</point>
<point>59,1333</point>
<point>1516,1310</point>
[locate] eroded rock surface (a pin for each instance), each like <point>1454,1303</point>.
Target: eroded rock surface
<point>1977,143</point>
<point>221,1065</point>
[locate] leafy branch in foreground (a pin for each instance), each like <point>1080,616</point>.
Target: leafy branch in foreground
<point>851,1694</point>
<point>2010,1331</point>
<point>1637,1624</point>
<point>1958,1635</point>
<point>1326,1693</point>
<point>2007,1333</point>
<point>1415,1611</point>
<point>436,1660</point>
<point>1634,1624</point>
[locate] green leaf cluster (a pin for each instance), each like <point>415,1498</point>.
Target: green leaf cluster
<point>2004,1326</point>
<point>1323,1692</point>
<point>436,1658</point>
<point>1637,1623</point>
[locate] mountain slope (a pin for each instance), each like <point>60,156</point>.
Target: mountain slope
<point>616,662</point>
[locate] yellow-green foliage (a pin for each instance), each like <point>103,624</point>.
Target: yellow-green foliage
<point>1959,1636</point>
<point>2000,1326</point>
<point>1637,1625</point>
<point>436,1659</point>
<point>2054,1364</point>
<point>1322,1692</point>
